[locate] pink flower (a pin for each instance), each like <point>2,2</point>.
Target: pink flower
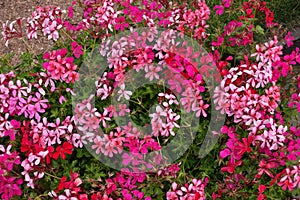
<point>103,118</point>
<point>289,39</point>
<point>264,167</point>
<point>11,31</point>
<point>193,190</point>
<point>226,3</point>
<point>172,195</point>
<point>175,83</point>
<point>219,41</point>
<point>103,90</point>
<point>70,11</point>
<point>10,187</point>
<point>122,109</point>
<point>126,159</point>
<point>153,72</point>
<point>123,93</point>
<point>200,108</point>
<point>224,153</point>
<point>76,49</point>
<point>61,67</point>
<point>219,9</point>
<point>286,181</point>
<point>62,99</point>
<point>121,23</point>
<point>47,19</point>
<point>15,123</point>
<point>98,144</point>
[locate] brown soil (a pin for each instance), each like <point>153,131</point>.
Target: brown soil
<point>11,10</point>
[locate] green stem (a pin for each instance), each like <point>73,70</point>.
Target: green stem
<point>52,175</point>
<point>67,34</point>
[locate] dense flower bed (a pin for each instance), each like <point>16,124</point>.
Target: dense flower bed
<point>70,109</point>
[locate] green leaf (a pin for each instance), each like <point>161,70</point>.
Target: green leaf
<point>259,29</point>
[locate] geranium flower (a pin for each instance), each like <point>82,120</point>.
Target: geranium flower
<point>200,109</point>
<point>153,72</point>
<point>65,148</point>
<point>10,187</point>
<point>76,49</point>
<point>289,39</point>
<point>121,23</point>
<point>123,93</point>
<point>10,30</point>
<point>231,165</point>
<point>219,9</point>
<point>47,19</point>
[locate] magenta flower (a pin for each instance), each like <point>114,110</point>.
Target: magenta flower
<point>219,9</point>
<point>10,187</point>
<point>70,11</point>
<point>219,41</point>
<point>76,49</point>
<point>121,23</point>
<point>289,39</point>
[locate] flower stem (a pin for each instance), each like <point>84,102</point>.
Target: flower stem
<point>51,175</point>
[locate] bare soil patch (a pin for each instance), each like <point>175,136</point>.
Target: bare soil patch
<point>11,10</point>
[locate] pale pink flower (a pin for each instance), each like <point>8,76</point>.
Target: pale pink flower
<point>200,109</point>
<point>123,93</point>
<point>98,144</point>
<point>153,72</point>
<point>123,109</point>
<point>103,91</point>
<point>103,118</point>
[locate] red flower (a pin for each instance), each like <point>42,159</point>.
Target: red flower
<point>61,184</point>
<point>50,154</point>
<point>261,189</point>
<point>264,167</point>
<point>61,150</point>
<point>243,147</point>
<point>25,144</point>
<point>231,166</point>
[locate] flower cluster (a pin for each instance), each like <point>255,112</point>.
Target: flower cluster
<point>12,30</point>
<point>38,142</point>
<point>70,189</point>
<point>47,19</point>
<point>295,101</point>
<point>194,190</point>
<point>61,67</point>
<point>43,140</point>
<point>194,21</point>
<point>220,8</point>
<point>290,178</point>
<point>9,184</point>
<point>249,93</point>
<point>235,149</point>
<point>164,127</point>
<point>260,6</point>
